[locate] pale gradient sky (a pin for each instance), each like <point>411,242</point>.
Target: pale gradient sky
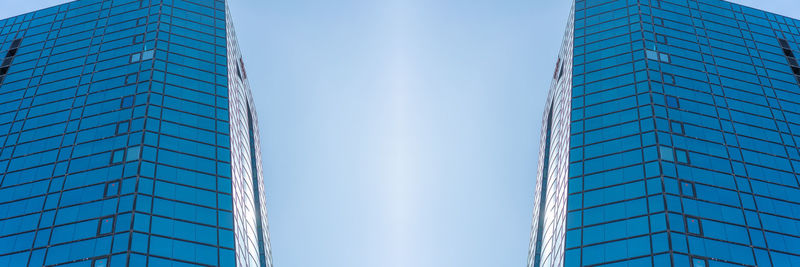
<point>400,132</point>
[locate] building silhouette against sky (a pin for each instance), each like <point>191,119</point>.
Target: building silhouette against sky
<point>670,138</point>
<point>128,137</point>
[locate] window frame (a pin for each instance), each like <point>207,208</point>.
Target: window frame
<point>686,219</point>
<point>693,188</point>
<point>100,224</point>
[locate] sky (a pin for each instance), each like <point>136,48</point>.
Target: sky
<point>399,132</point>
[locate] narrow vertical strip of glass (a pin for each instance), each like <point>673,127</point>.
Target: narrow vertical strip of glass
<point>256,196</point>
<point>543,195</point>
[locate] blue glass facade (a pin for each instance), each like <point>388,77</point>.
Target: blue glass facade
<point>683,129</point>
<point>127,138</point>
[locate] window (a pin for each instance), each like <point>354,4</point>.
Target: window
<point>112,188</point>
<point>687,189</point>
<point>660,38</point>
<point>256,200</point>
<point>558,66</point>
<point>668,78</point>
<point>132,78</point>
<point>664,57</point>
<point>133,154</point>
<point>123,127</point>
<point>105,226</point>
<point>117,156</point>
<point>787,50</point>
<point>698,262</point>
<point>101,262</point>
<point>3,70</point>
<point>677,127</point>
<point>143,55</point>
<point>783,42</point>
<point>141,21</point>
<point>652,55</point>
<point>147,54</point>
<point>681,156</point>
<point>138,38</point>
<point>127,102</point>
<point>11,53</point>
<point>693,225</point>
<point>672,102</point>
<point>244,71</point>
<point>658,21</point>
<point>543,194</point>
<point>667,154</point>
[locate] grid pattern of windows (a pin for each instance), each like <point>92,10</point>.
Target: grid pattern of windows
<point>115,137</point>
<point>683,136</point>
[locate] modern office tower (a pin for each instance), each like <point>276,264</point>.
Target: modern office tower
<point>670,138</point>
<point>128,137</point>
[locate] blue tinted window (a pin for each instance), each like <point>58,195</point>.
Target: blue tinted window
<point>123,127</point>
<point>661,38</point>
<point>133,153</point>
<point>112,188</point>
<point>652,55</point>
<point>667,154</point>
<point>664,57</point>
<point>687,189</point>
<point>693,226</point>
<point>127,102</point>
<point>677,127</point>
<point>699,262</point>
<point>681,156</point>
<point>147,55</point>
<point>117,156</point>
<point>106,225</point>
<point>668,78</point>
<point>100,262</point>
<point>132,78</point>
<point>672,101</point>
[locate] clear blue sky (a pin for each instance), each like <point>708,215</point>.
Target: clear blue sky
<point>399,132</point>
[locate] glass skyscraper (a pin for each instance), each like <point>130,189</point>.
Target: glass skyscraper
<point>128,137</point>
<point>671,138</point>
